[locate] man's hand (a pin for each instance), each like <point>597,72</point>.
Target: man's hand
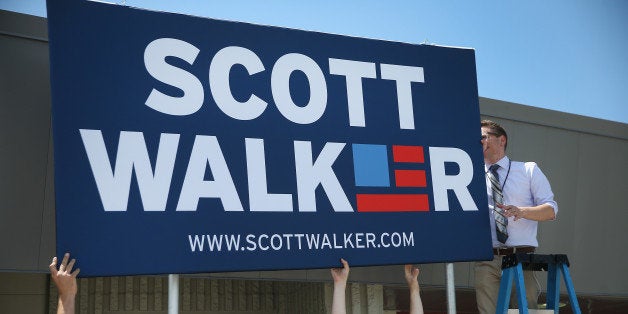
<point>512,211</point>
<point>412,278</point>
<point>412,274</point>
<point>65,280</point>
<point>541,212</point>
<point>340,275</point>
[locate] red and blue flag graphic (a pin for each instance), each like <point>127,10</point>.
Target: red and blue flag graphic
<point>372,172</point>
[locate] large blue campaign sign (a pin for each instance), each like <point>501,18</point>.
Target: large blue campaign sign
<point>185,144</point>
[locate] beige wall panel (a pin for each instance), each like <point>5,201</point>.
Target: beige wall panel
<point>23,293</point>
<point>23,303</point>
<point>22,283</point>
<point>230,296</point>
<point>463,274</point>
<point>436,274</point>
<point>282,275</point>
<point>432,274</point>
<point>374,274</point>
<point>375,298</point>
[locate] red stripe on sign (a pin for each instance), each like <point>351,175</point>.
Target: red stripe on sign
<point>403,153</point>
<point>392,203</point>
<point>410,178</point>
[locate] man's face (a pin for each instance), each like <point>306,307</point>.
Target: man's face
<point>493,146</point>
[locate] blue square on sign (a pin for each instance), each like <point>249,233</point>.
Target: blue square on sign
<point>370,164</point>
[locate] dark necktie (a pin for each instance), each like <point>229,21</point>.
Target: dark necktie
<point>500,220</point>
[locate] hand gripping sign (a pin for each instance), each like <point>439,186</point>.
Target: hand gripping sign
<point>185,144</point>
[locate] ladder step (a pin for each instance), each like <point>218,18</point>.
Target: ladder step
<point>512,269</point>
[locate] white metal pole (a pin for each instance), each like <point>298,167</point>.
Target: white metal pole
<point>451,289</point>
<point>173,294</point>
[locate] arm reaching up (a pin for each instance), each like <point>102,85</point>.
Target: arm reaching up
<point>412,274</point>
<point>340,276</point>
<point>65,280</point>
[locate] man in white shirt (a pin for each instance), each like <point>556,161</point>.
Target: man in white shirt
<point>523,197</point>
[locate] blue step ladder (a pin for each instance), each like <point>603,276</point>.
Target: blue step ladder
<point>512,269</point>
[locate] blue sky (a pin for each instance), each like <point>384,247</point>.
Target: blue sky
<point>565,55</point>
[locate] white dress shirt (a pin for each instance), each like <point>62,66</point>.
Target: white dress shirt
<point>523,185</point>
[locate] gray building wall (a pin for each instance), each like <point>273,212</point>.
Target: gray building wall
<point>586,160</point>
<point>26,198</point>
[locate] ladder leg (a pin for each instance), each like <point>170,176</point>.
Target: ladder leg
<point>522,301</point>
<point>553,288</point>
<point>575,307</point>
<point>505,287</point>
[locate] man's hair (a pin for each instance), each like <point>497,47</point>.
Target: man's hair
<point>497,129</point>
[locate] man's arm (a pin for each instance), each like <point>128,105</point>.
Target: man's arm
<point>412,274</point>
<point>541,193</point>
<point>541,212</point>
<point>65,280</point>
<point>340,276</point>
